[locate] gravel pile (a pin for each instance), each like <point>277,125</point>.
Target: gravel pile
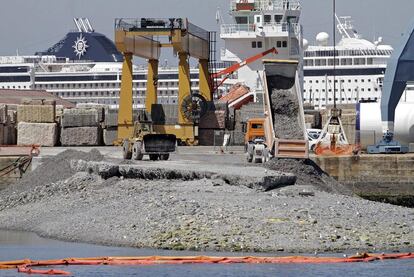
<point>308,173</point>
<point>51,170</point>
<point>206,215</point>
<point>285,109</point>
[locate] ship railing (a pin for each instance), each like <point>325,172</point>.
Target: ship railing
<point>260,5</point>
<point>228,29</point>
<point>237,28</point>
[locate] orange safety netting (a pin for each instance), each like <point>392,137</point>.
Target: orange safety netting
<point>26,266</point>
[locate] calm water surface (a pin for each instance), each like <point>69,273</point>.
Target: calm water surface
<point>20,245</point>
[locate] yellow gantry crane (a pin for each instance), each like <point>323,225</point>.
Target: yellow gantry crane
<point>135,37</point>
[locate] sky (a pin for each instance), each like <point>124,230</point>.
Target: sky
<point>28,26</point>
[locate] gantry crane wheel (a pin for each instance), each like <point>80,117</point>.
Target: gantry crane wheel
<point>194,107</point>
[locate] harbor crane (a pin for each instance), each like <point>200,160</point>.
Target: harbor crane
<point>135,37</point>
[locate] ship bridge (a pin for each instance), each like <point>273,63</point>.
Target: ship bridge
<point>259,18</point>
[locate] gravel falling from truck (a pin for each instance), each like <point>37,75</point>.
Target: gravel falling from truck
<point>285,110</point>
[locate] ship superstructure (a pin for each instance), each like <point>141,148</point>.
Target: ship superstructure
<point>259,25</point>
<point>85,67</point>
<point>359,70</point>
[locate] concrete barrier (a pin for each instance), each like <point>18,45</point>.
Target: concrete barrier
<point>44,134</point>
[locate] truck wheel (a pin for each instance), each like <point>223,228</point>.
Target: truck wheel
<point>125,150</point>
<point>164,157</point>
<point>154,157</point>
<point>137,151</point>
<point>249,158</point>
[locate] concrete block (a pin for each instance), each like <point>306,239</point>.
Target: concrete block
<point>2,134</point>
<point>100,108</point>
<point>3,113</point>
<point>12,116</point>
<point>81,136</point>
<point>36,113</point>
<point>44,134</point>
<point>111,118</point>
<point>9,135</point>
<point>110,135</point>
<point>80,118</point>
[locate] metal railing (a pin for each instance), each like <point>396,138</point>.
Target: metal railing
<point>237,28</point>
<point>292,28</point>
<point>260,5</point>
<point>134,24</point>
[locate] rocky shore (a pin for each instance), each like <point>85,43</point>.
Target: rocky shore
<point>198,214</point>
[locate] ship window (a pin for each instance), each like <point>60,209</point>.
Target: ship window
<point>279,44</point>
<point>241,20</point>
<point>369,80</point>
<point>278,18</point>
<point>369,89</point>
<point>362,80</point>
<point>259,44</point>
<point>267,18</point>
<point>284,44</point>
<point>254,44</point>
<point>292,19</point>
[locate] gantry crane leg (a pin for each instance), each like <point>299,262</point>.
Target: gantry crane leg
<point>205,80</point>
<point>125,116</point>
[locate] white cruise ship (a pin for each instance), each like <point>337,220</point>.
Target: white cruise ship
<point>85,67</point>
<point>360,68</point>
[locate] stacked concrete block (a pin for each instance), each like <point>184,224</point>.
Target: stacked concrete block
<point>81,136</point>
<point>81,127</point>
<point>80,118</point>
<point>100,108</point>
<point>3,114</point>
<point>36,123</point>
<point>44,134</point>
<point>110,135</point>
<point>9,134</point>
<point>36,113</point>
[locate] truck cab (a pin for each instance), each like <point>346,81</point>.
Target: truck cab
<point>255,146</point>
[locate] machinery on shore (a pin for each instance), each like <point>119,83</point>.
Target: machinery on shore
<point>145,141</point>
<point>255,141</point>
<point>135,37</point>
<point>280,79</point>
<point>333,141</point>
<point>400,70</point>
